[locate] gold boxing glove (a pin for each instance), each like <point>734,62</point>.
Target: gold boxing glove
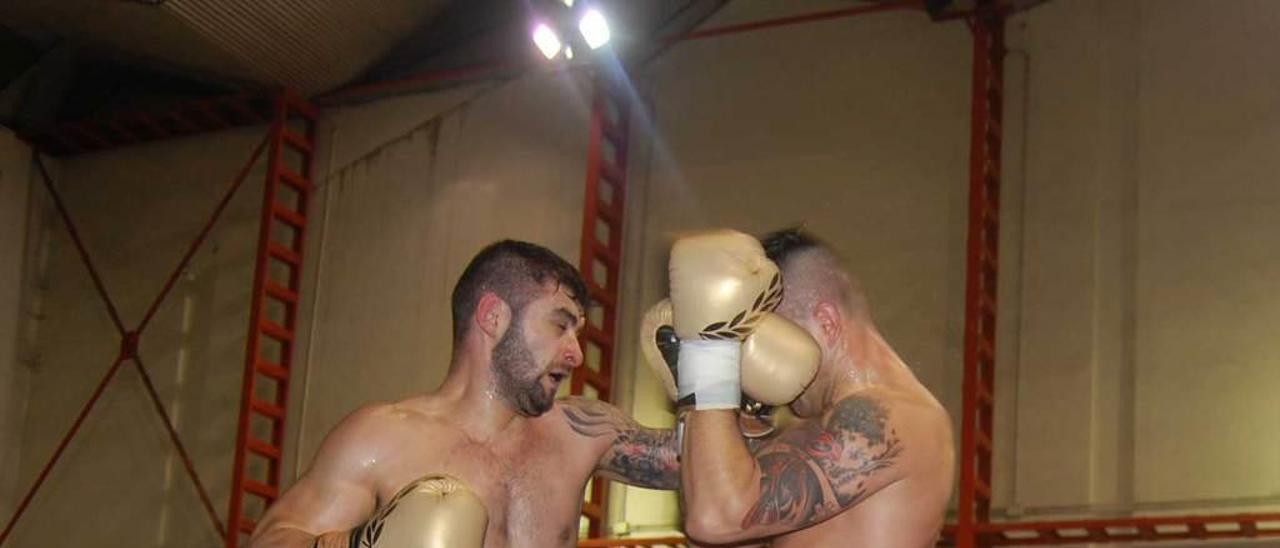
<point>437,511</point>
<point>778,359</point>
<point>722,285</point>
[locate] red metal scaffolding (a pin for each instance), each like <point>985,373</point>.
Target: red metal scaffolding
<point>278,270</point>
<point>133,128</point>
<point>974,527</point>
<point>978,394</point>
<point>655,542</point>
<point>601,259</point>
<point>277,274</point>
<point>116,129</point>
<point>273,316</point>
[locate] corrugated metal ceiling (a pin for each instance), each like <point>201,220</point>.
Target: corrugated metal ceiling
<point>310,45</point>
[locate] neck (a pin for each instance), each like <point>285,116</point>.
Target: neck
<point>866,361</point>
<point>476,406</point>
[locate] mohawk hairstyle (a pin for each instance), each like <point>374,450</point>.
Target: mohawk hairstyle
<point>822,275</point>
<point>782,245</point>
<point>516,272</point>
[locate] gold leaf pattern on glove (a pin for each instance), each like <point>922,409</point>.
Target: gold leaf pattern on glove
<point>372,531</point>
<point>745,322</point>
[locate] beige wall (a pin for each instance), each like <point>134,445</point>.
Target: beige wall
<point>137,209</point>
<point>1206,358</point>
<point>1136,368</point>
<point>1134,361</point>
<point>1144,366</point>
<point>418,185</point>
<point>856,128</point>
<point>403,221</point>
<point>15,179</point>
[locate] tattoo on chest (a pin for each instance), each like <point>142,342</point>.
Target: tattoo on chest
<point>816,470</point>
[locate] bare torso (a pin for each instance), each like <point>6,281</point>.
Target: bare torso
<point>529,472</point>
<point>909,512</point>
<point>493,424</point>
<point>530,477</point>
<point>906,514</point>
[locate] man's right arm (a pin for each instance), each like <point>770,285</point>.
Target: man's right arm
<point>636,455</point>
<point>806,475</point>
<point>336,494</point>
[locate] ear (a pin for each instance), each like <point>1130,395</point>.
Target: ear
<point>492,315</point>
<point>829,321</point>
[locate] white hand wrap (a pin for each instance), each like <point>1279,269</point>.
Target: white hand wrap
<point>710,371</point>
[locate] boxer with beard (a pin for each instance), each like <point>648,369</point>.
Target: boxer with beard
<point>490,458</point>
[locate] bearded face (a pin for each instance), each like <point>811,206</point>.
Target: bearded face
<point>517,373</point>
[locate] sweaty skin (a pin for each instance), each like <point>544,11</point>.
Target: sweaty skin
<point>529,471</point>
<point>869,464</point>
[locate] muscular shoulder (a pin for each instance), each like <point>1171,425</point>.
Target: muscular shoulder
<point>891,419</point>
<point>370,427</point>
<point>626,450</point>
<point>375,417</point>
<point>588,417</point>
<point>583,404</point>
<point>601,424</point>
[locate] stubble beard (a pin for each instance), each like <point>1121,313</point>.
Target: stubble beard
<point>517,376</point>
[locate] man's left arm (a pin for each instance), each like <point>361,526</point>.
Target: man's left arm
<point>807,475</point>
<point>637,455</point>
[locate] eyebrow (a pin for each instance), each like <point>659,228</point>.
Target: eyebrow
<point>567,315</point>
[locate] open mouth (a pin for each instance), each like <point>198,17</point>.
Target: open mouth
<point>557,377</point>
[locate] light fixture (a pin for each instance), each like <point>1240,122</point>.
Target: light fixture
<point>594,28</point>
<point>546,40</point>
<point>553,31</point>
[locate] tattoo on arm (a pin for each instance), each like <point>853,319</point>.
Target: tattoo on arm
<point>817,470</point>
<point>647,457</point>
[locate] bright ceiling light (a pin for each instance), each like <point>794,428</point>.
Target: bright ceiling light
<point>568,3</point>
<point>595,30</point>
<point>546,40</point>
<point>568,52</point>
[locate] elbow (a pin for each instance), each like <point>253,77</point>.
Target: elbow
<point>702,531</point>
<point>711,524</point>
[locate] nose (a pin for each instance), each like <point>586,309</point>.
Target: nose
<point>573,353</point>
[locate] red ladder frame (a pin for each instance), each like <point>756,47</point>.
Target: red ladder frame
<point>978,389</point>
<point>602,208</point>
<point>1133,529</point>
<point>280,218</point>
<point>129,338</point>
<point>974,527</point>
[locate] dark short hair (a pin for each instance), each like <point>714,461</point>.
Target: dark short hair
<point>782,245</point>
<point>516,272</point>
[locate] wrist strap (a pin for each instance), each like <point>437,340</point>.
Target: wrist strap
<point>709,374</point>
